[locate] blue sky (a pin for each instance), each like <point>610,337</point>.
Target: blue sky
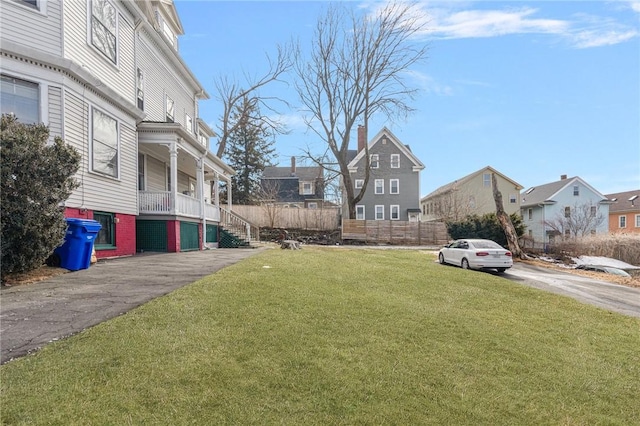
<point>533,89</point>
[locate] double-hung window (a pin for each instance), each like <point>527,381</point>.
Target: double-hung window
<point>140,89</point>
<point>395,212</point>
<point>638,221</point>
<point>622,221</point>
<point>379,212</point>
<point>513,198</point>
<point>20,98</point>
<point>359,183</point>
<point>306,188</point>
<point>170,108</point>
<point>188,122</point>
<point>567,212</point>
<point>360,212</point>
<point>30,3</point>
<point>394,186</point>
<point>104,23</point>
<point>375,163</point>
<point>486,180</point>
<point>379,186</point>
<point>104,144</point>
<point>395,161</point>
<point>576,191</point>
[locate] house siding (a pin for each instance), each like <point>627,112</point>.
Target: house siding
<point>55,111</point>
<point>162,77</point>
<point>121,76</point>
<point>18,21</point>
<point>98,192</point>
<point>409,182</point>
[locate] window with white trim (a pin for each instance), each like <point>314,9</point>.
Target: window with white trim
<point>395,161</point>
<point>104,23</point>
<point>567,212</point>
<point>513,198</point>
<point>622,221</point>
<point>395,212</point>
<point>170,109</point>
<point>394,186</point>
<point>306,188</point>
<point>30,3</point>
<point>530,213</point>
<point>472,202</point>
<point>486,180</point>
<point>576,191</point>
<point>140,89</point>
<point>141,173</point>
<point>593,210</point>
<point>359,212</point>
<point>379,212</point>
<point>166,31</point>
<point>20,98</point>
<point>104,144</point>
<point>359,183</point>
<point>379,186</point>
<point>375,163</point>
<point>312,206</point>
<point>188,122</point>
<point>638,221</point>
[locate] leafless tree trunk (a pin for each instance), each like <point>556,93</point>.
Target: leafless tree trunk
<point>579,220</point>
<point>505,221</point>
<point>356,69</point>
<point>231,94</point>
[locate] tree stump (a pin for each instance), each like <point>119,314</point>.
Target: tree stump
<point>290,244</point>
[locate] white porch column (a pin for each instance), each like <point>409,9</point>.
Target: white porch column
<point>216,183</point>
<point>200,189</point>
<point>229,195</point>
<point>173,155</point>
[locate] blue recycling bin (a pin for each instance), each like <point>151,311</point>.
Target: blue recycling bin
<point>76,251</point>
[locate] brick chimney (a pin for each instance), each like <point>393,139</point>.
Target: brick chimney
<point>293,165</point>
<point>362,137</point>
<point>563,177</point>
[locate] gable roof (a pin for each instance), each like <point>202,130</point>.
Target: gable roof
<point>544,194</point>
<point>624,201</point>
<point>301,173</point>
<point>453,185</point>
<point>417,164</point>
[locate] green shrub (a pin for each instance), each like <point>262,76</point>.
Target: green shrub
<point>36,179</point>
<point>486,227</point>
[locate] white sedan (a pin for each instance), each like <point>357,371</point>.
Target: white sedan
<point>476,254</point>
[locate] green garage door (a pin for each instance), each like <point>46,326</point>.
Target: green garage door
<point>212,233</point>
<point>151,235</point>
<point>189,236</point>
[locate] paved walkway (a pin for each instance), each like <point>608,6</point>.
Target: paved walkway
<point>33,315</point>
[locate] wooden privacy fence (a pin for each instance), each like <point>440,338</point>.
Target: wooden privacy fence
<point>277,216</point>
<point>395,232</point>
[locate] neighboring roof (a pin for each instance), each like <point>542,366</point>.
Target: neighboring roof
<point>302,173</point>
<point>624,201</point>
<point>544,194</point>
<point>417,164</point>
<point>452,185</point>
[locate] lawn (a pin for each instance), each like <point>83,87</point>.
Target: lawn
<point>339,336</point>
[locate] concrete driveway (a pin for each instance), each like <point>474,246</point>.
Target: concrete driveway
<point>609,296</point>
<point>33,315</point>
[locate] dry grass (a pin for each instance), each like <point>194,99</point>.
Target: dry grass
<point>29,277</point>
<point>624,247</point>
<point>634,281</point>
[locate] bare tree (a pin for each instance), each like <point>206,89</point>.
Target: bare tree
<point>456,204</point>
<point>268,196</point>
<point>357,68</point>
<point>505,221</point>
<point>231,94</point>
<point>577,221</point>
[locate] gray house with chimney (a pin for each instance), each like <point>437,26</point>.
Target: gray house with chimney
<point>297,187</point>
<point>393,189</point>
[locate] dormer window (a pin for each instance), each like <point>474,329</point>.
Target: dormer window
<point>166,31</point>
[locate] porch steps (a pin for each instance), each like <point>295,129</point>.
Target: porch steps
<point>230,240</point>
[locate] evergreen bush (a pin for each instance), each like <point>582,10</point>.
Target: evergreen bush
<point>486,227</point>
<point>37,177</point>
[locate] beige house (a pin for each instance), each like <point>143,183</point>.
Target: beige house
<point>471,195</point>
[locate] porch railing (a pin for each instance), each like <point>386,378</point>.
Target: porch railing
<point>239,226</point>
<point>162,203</point>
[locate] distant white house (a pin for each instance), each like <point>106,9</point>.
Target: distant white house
<point>566,208</point>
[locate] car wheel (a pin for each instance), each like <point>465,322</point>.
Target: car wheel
<point>441,258</point>
<point>465,264</point>
<point>501,270</point>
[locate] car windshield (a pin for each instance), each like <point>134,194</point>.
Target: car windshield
<point>485,244</point>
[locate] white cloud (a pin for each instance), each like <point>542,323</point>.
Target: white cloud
<point>460,20</point>
<point>429,84</point>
